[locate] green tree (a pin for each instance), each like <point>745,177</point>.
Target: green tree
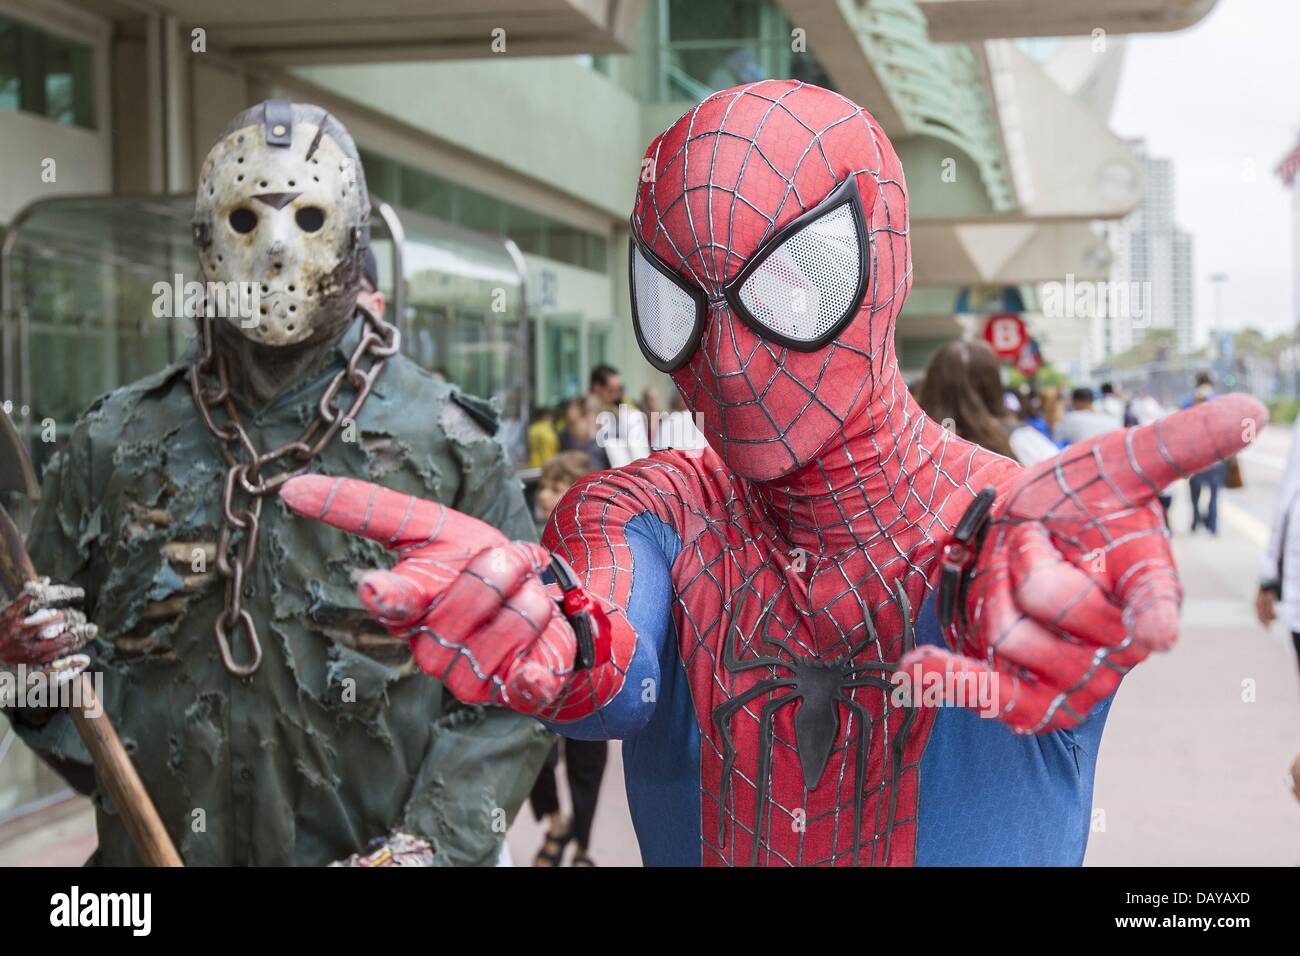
<point>1156,345</point>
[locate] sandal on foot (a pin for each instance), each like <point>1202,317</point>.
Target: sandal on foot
<point>552,850</point>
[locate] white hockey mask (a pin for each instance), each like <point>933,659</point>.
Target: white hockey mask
<point>282,204</point>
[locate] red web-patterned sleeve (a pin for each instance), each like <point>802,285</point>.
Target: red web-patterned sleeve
<point>590,529</point>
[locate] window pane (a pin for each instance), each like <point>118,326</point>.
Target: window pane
<point>564,377</point>
<point>9,83</point>
<point>383,178</point>
<point>725,43</point>
<point>426,194</point>
<point>597,345</point>
<point>78,353</point>
<point>528,229</point>
<point>567,244</point>
<point>480,212</point>
<point>597,253</point>
<point>534,233</point>
<point>47,75</point>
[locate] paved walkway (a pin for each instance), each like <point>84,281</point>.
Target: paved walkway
<point>1194,764</point>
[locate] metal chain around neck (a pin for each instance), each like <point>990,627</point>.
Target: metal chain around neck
<point>245,478</point>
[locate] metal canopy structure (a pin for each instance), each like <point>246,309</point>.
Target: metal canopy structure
<point>973,20</point>
<point>290,32</point>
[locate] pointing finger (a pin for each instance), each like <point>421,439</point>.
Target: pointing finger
<point>1129,467</point>
<point>397,521</point>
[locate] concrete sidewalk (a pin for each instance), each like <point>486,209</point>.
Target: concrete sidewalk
<point>613,842</point>
<point>1194,763</point>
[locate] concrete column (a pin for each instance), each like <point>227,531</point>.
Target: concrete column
<point>152,109</point>
<point>177,111</point>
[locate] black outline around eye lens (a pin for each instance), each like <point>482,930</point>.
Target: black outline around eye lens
<point>697,295</point>
<point>846,192</point>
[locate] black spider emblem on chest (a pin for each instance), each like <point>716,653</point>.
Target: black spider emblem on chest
<point>819,686</point>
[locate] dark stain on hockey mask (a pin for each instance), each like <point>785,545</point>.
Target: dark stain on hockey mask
<point>282,209</point>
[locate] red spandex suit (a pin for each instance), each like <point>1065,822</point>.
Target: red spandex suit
<point>757,621</point>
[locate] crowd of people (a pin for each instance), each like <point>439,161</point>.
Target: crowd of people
<point>610,428</point>
<point>597,430</point>
<point>963,389</point>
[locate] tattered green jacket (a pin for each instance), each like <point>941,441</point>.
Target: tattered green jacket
<point>338,738</point>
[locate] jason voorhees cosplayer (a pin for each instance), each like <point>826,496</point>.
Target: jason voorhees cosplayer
<point>271,720</point>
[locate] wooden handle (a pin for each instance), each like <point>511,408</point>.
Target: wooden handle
<point>15,566</point>
<point>120,779</point>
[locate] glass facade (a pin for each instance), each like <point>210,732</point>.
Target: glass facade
<point>83,274</point>
<point>422,192</point>
<point>463,316</point>
<point>706,47</point>
<point>46,75</point>
<point>563,374</point>
<point>598,345</point>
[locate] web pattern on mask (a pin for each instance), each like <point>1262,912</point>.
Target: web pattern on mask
<point>746,165</point>
<point>762,641</point>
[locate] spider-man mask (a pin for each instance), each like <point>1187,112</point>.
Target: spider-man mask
<point>769,260</point>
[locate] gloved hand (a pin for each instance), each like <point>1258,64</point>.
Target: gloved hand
<point>472,603</point>
<point>42,629</point>
<point>1074,582</point>
<point>396,849</point>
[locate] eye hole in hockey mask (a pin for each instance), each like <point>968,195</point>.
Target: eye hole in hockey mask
<point>282,209</point>
<point>799,290</point>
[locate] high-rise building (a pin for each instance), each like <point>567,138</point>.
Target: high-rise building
<point>1152,265</point>
<point>1189,337</point>
<point>1112,334</point>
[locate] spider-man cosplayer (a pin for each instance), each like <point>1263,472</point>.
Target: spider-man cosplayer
<point>738,616</point>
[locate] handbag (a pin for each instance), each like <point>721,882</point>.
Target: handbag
<point>1233,477</point>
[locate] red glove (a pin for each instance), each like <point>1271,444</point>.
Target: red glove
<point>472,603</point>
<point>42,629</point>
<point>43,623</point>
<point>1074,582</point>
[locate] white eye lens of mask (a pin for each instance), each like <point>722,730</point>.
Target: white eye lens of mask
<point>809,283</point>
<point>665,312</point>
